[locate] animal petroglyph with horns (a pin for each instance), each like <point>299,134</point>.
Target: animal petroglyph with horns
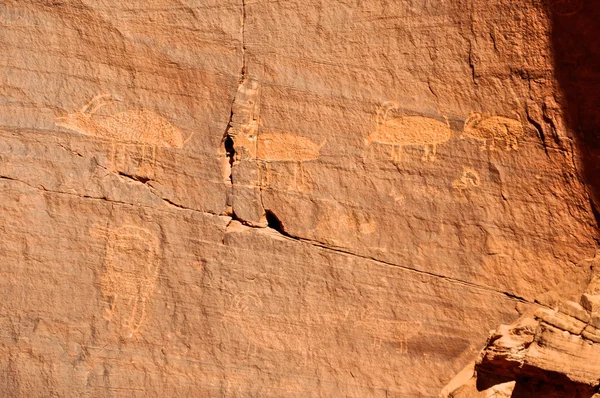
<point>132,127</point>
<point>408,131</point>
<point>492,129</point>
<point>279,147</point>
<point>132,264</point>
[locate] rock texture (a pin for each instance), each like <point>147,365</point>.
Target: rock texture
<point>299,198</point>
<point>552,353</point>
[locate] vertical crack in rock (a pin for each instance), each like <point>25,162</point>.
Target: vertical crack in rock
<point>227,138</point>
<point>236,114</point>
<point>229,153</point>
<point>540,131</point>
<point>471,50</point>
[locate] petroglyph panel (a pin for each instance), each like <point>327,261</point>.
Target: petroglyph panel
<point>399,132</point>
<point>132,265</point>
<point>141,129</point>
<point>494,128</point>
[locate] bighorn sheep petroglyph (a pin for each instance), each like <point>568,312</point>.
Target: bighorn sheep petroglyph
<point>279,147</point>
<point>408,131</point>
<point>493,128</point>
<point>131,127</point>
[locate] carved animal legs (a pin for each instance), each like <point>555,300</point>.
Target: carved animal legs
<point>403,349</point>
<point>264,179</point>
<point>141,163</point>
<point>153,160</point>
<point>430,153</point>
<point>267,175</point>
<point>489,145</point>
<point>396,153</point>
<point>113,157</point>
<point>377,343</point>
<point>301,167</point>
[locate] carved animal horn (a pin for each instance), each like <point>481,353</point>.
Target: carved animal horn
<point>473,116</point>
<point>92,106</point>
<point>383,110</point>
<point>189,138</point>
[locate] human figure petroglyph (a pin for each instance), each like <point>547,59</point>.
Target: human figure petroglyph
<point>492,129</point>
<point>266,148</point>
<point>408,131</point>
<point>132,127</point>
<point>387,330</point>
<point>132,265</point>
<point>468,178</point>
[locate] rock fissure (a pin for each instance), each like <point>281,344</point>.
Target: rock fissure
<point>171,203</point>
<point>539,129</point>
<point>275,225</point>
<point>136,178</point>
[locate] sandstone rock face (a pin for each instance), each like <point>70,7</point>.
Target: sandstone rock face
<point>552,354</point>
<point>300,198</point>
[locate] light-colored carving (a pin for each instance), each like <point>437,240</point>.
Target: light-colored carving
<point>468,178</point>
<point>278,147</point>
<point>140,128</point>
<point>340,225</point>
<point>263,331</point>
<point>566,7</point>
<point>132,265</point>
<point>397,333</point>
<point>492,129</point>
<point>408,131</point>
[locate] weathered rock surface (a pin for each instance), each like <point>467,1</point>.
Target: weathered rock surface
<point>300,198</point>
<point>550,354</point>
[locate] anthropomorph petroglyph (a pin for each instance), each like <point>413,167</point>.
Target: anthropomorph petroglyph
<point>132,264</point>
<point>268,147</point>
<point>408,131</point>
<point>492,129</point>
<point>469,178</point>
<point>140,128</point>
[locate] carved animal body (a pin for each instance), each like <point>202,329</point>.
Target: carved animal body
<point>133,127</point>
<point>279,147</point>
<point>132,264</point>
<point>408,131</point>
<point>492,129</point>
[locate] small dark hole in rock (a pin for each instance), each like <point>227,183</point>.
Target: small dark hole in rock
<point>229,149</point>
<point>274,222</point>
